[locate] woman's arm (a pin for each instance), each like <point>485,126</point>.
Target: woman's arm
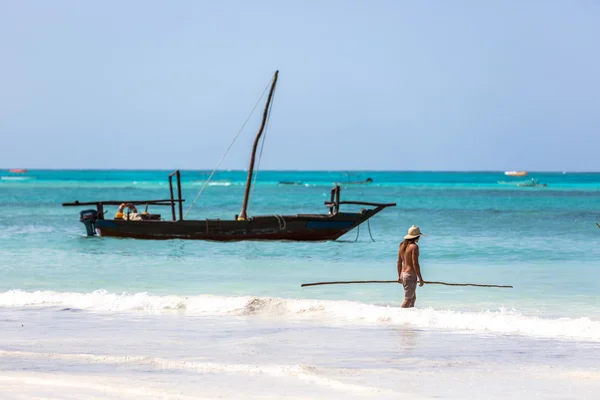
<point>416,264</point>
<point>399,264</point>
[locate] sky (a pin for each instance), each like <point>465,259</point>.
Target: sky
<point>363,85</point>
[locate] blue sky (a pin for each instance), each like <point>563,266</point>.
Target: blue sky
<point>391,85</point>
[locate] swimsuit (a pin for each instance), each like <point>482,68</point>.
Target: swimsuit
<point>409,281</point>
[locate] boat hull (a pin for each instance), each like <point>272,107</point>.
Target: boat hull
<point>295,228</point>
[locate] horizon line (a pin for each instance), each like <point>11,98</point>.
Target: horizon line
<point>298,170</point>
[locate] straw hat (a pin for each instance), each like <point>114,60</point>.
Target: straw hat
<point>414,232</point>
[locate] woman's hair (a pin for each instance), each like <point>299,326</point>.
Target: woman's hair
<point>405,244</point>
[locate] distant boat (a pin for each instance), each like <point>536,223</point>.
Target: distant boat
<point>363,182</point>
<point>291,183</point>
<point>515,173</point>
<point>368,180</point>
<point>531,183</point>
<point>17,170</point>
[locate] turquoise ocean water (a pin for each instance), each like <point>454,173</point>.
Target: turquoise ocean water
<point>74,306</point>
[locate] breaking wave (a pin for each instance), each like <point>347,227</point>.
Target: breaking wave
<point>308,373</point>
<point>318,311</point>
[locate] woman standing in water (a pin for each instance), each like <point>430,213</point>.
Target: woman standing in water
<point>408,266</point>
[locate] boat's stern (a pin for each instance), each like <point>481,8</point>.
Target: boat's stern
<point>89,218</point>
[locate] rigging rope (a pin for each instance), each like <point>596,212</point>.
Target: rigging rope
<point>281,222</point>
<point>227,151</point>
<point>262,143</point>
<point>369,225</point>
<point>357,233</point>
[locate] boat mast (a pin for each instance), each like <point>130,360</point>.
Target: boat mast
<point>243,215</point>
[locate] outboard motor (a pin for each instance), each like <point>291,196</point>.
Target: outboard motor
<point>88,218</point>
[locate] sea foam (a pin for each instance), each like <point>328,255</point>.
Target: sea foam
<point>319,311</point>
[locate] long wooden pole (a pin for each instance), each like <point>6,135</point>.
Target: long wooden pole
<point>164,202</point>
<point>179,195</point>
<point>172,197</point>
<point>426,282</point>
<point>243,214</point>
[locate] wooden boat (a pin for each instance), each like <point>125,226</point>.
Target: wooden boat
<point>366,181</point>
<point>515,173</point>
<point>300,227</point>
<point>532,183</point>
<point>292,183</point>
<point>350,181</point>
